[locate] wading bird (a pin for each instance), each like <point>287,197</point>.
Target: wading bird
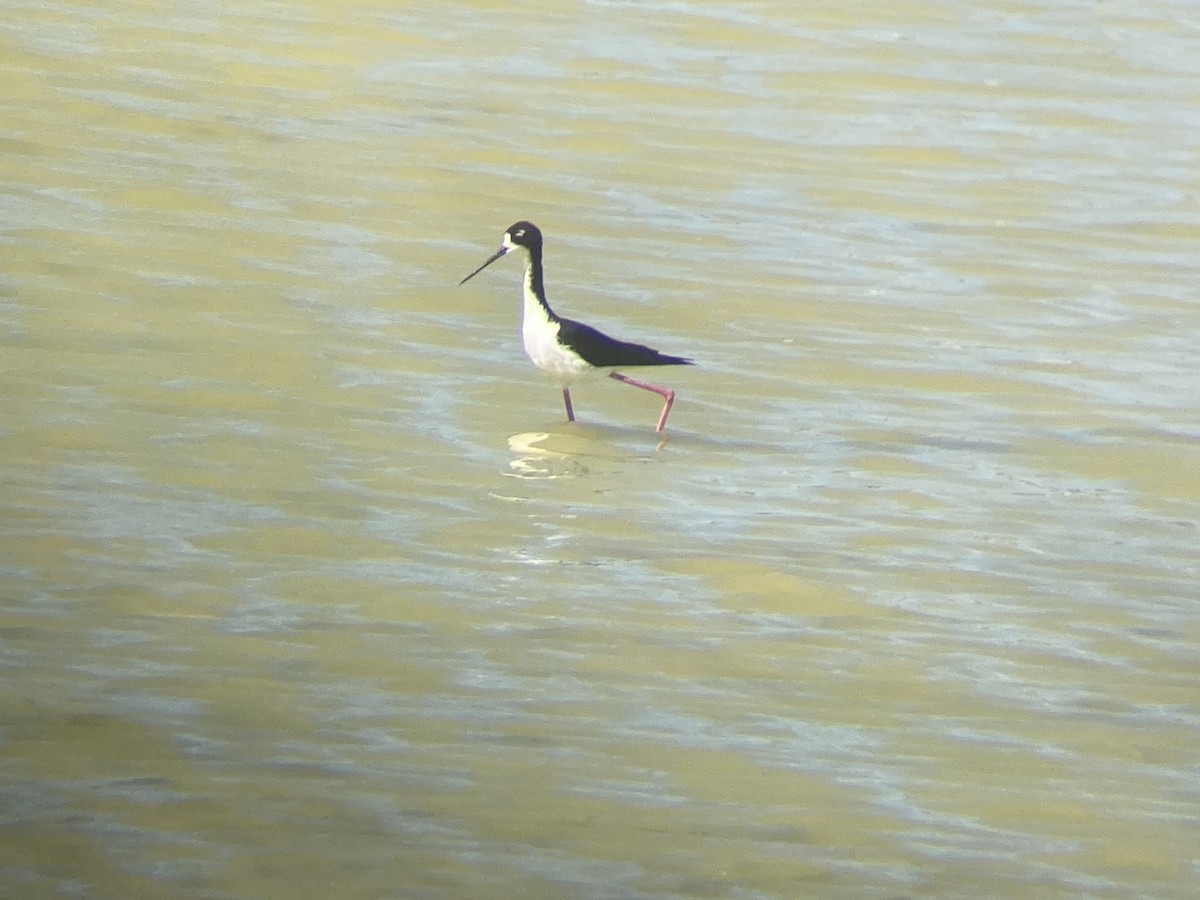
<point>565,349</point>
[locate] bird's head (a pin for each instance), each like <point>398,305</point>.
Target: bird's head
<point>520,235</point>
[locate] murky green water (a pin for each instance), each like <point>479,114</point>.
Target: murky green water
<point>309,590</point>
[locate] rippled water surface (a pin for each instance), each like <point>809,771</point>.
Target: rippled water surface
<point>310,591</point>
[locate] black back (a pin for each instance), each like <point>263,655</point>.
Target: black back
<point>603,352</point>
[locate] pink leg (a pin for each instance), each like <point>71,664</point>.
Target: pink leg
<point>666,393</point>
<point>567,401</point>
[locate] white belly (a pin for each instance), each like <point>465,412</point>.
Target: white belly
<point>540,336</point>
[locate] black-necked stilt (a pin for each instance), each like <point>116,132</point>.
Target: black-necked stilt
<point>566,349</point>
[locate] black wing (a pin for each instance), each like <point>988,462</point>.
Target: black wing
<point>602,351</point>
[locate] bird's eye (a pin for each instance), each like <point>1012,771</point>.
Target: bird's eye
<point>520,232</point>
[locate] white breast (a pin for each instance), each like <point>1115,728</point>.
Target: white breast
<point>540,336</point>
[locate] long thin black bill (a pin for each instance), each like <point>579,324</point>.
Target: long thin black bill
<point>491,259</point>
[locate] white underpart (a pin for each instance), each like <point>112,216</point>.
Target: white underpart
<point>540,335</point>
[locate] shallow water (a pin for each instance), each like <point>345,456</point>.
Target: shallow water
<point>310,590</point>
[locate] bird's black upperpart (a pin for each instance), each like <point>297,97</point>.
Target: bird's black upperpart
<point>604,352</point>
